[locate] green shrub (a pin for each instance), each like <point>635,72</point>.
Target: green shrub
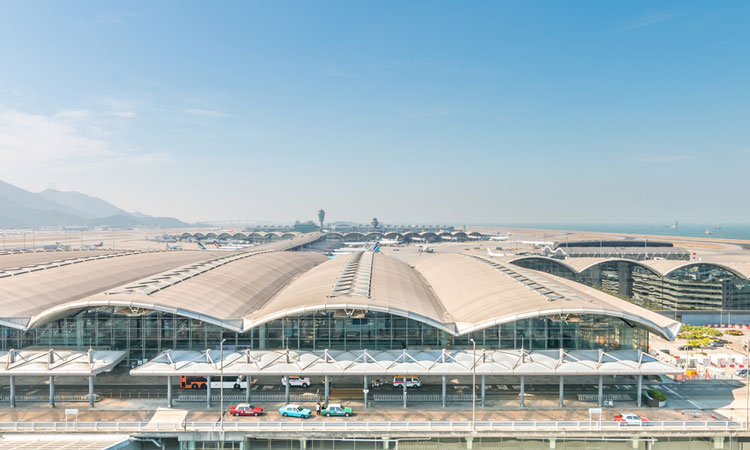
<point>657,395</point>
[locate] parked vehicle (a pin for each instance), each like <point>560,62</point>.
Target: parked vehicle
<point>411,382</point>
<point>377,382</point>
<point>292,410</point>
<point>229,382</point>
<point>193,382</point>
<point>741,373</point>
<point>245,409</point>
<point>334,409</point>
<point>296,381</point>
<point>629,419</point>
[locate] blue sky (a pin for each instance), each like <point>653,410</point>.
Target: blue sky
<point>439,111</point>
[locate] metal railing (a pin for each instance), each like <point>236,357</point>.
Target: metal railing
<point>422,397</point>
<point>336,426</point>
<point>605,397</point>
<point>45,397</point>
<point>274,398</point>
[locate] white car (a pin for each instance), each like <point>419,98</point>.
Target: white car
<point>630,419</point>
<point>296,381</point>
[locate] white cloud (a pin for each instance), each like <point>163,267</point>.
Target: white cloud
<point>122,114</point>
<point>205,112</point>
<point>663,159</point>
<point>649,20</point>
<point>65,140</point>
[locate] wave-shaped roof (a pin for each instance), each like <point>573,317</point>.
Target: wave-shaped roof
<point>660,267</point>
<point>457,293</point>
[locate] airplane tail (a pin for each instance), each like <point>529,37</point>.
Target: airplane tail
<point>101,244</point>
<point>201,246</point>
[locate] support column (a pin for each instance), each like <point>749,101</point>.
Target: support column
<point>640,390</point>
<point>600,397</point>
<point>169,392</point>
<point>469,442</point>
<point>52,391</point>
<point>365,390</point>
<point>327,389</point>
<point>91,391</point>
<point>12,392</point>
<point>562,390</point>
<point>303,443</point>
<point>484,403</point>
<point>552,443</point>
<point>208,391</point>
<point>385,442</point>
<point>444,396</point>
<point>287,385</point>
<point>523,387</point>
<point>247,389</point>
<point>405,378</point>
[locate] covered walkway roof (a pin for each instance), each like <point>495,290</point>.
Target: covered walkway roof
<point>58,362</point>
<point>400,362</point>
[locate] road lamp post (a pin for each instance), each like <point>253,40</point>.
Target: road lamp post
<point>473,385</point>
<point>747,389</point>
<point>221,385</point>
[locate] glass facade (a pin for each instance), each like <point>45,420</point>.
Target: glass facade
<point>145,333</point>
<point>697,286</point>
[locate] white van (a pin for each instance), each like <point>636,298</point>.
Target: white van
<point>296,381</point>
<point>229,382</point>
<point>411,382</point>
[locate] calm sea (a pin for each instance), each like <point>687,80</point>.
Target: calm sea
<point>730,231</point>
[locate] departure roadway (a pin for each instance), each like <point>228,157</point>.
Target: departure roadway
<point>706,400</point>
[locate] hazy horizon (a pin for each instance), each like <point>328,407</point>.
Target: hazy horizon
<point>418,112</point>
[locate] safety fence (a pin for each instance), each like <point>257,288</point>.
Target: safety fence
<point>423,397</point>
<point>253,398</point>
<point>45,398</point>
<point>354,426</point>
<point>605,397</point>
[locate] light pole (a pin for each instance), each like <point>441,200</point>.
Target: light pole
<point>221,385</point>
<point>474,385</point>
<point>747,389</point>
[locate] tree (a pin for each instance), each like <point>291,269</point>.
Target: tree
<point>375,224</point>
<point>321,217</point>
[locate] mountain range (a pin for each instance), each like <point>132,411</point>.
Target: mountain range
<point>20,208</point>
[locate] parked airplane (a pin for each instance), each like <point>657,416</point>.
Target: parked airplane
<point>500,238</point>
<point>538,243</point>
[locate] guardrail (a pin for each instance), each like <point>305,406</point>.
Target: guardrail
<point>338,426</point>
<point>276,398</point>
<point>605,397</point>
<point>45,398</point>
<point>423,397</point>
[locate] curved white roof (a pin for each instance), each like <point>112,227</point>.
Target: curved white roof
<point>661,267</point>
<point>457,293</point>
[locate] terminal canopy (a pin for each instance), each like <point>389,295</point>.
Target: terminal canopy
<point>58,362</point>
<point>405,362</point>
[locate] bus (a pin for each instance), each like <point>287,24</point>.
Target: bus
<point>230,382</point>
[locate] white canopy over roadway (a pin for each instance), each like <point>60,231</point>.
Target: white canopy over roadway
<point>400,362</point>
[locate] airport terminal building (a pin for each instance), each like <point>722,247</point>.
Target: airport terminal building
<point>656,284</point>
<point>270,297</point>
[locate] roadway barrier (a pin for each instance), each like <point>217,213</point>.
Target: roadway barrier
<point>273,398</point>
<point>353,426</point>
<point>605,397</point>
<point>45,398</point>
<point>423,397</point>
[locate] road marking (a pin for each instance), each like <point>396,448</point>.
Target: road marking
<point>682,397</point>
